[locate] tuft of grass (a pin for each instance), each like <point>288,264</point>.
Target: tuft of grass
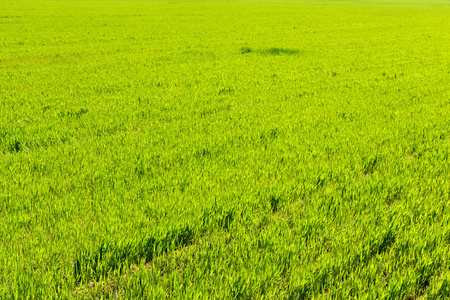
<point>245,50</point>
<point>270,51</point>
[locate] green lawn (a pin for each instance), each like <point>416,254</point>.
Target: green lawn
<point>224,149</point>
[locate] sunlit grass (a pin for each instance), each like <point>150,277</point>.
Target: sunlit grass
<point>250,150</point>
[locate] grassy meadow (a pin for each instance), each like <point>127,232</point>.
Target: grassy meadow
<point>224,149</point>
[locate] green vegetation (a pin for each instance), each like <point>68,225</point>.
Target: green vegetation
<point>224,149</point>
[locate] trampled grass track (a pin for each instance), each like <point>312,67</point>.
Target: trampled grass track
<point>190,149</point>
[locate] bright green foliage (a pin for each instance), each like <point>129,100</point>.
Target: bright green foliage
<point>232,149</point>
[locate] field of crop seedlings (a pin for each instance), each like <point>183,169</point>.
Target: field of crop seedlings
<point>224,149</point>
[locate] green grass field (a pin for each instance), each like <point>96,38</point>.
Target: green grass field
<point>224,149</point>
